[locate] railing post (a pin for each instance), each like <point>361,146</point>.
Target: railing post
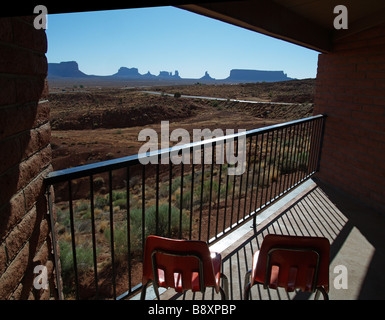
<point>321,142</point>
<point>54,244</point>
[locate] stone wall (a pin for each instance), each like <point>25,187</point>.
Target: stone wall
<point>350,89</point>
<point>25,159</point>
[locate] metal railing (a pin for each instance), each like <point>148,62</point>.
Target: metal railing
<point>104,211</point>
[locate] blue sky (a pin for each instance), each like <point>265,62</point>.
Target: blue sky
<point>168,39</point>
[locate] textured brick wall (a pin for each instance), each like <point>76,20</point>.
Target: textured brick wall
<point>351,91</point>
<point>25,159</point>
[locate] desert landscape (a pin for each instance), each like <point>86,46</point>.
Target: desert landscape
<point>94,123</point>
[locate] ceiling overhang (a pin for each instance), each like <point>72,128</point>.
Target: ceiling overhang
<point>269,18</point>
<point>308,23</point>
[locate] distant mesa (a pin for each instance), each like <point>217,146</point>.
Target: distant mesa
<point>127,73</point>
<point>70,69</point>
<point>169,75</point>
<point>206,77</point>
<point>243,75</point>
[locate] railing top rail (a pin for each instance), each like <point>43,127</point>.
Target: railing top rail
<point>104,166</point>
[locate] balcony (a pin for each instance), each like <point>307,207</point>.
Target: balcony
<point>311,209</point>
<point>103,212</point>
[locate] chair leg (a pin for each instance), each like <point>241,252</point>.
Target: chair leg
<point>143,292</point>
<point>224,291</point>
<point>324,293</point>
<point>144,289</point>
<point>155,285</point>
<point>247,285</point>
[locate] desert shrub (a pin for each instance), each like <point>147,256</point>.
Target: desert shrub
<point>116,195</point>
<point>82,206</point>
<point>163,190</point>
<point>100,202</point>
<point>63,217</point>
<point>177,95</point>
<point>163,221</point>
<point>85,224</point>
<point>264,178</point>
<point>288,166</point>
<point>84,258</point>
<point>120,241</point>
<point>122,203</point>
<point>120,229</point>
<point>98,182</point>
<point>175,185</point>
<point>215,103</point>
<point>206,191</point>
<point>186,201</point>
<point>303,161</point>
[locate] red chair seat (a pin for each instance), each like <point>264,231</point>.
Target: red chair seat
<point>182,265</point>
<point>291,262</point>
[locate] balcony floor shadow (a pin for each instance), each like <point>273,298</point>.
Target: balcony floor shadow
<point>355,233</point>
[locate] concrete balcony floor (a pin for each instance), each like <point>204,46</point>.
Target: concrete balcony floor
<point>355,232</point>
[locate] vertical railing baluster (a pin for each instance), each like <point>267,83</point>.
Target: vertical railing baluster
<point>201,195</point>
<point>211,191</point>
<point>181,200</point>
<point>275,167</point>
<point>157,199</point>
<point>59,289</point>
<point>287,162</point>
<point>232,202</point>
<point>259,175</point>
<point>292,157</point>
<point>93,235</point>
<point>282,180</point>
<point>300,148</point>
<point>220,159</point>
<point>252,180</point>
<point>169,198</point>
<point>72,226</point>
<point>143,206</point>
<point>191,198</point>
<point>264,169</point>
<point>321,135</point>
<point>219,197</point>
<point>112,235</point>
<point>268,171</point>
<point>307,149</point>
<point>247,177</point>
<point>226,194</point>
<point>240,189</point>
<point>313,146</point>
<point>128,229</point>
<point>277,190</point>
<point>319,142</point>
<point>321,129</point>
<point>316,137</point>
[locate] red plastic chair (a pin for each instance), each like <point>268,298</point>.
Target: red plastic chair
<point>291,262</point>
<point>182,265</point>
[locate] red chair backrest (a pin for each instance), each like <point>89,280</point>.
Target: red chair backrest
<point>296,262</point>
<point>176,263</point>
